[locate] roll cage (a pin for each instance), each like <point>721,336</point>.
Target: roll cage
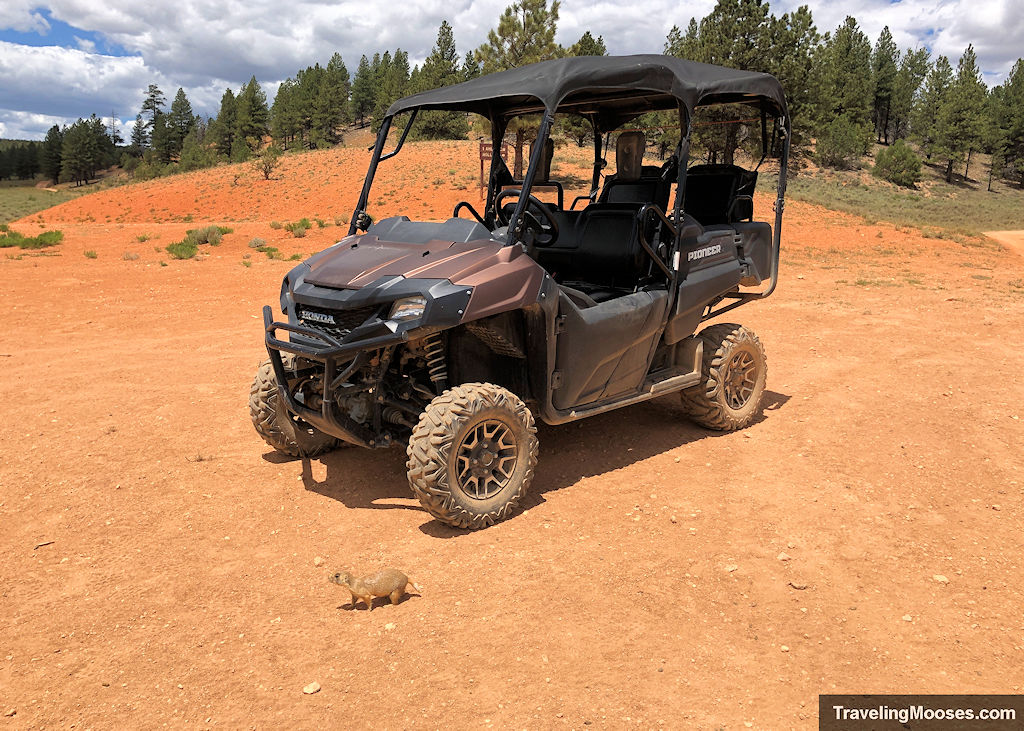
<point>608,92</point>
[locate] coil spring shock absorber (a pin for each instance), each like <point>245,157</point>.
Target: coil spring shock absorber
<point>437,367</point>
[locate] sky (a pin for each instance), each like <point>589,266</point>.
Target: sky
<point>64,59</point>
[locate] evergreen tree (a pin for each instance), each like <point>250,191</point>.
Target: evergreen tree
<point>180,121</point>
<point>587,46</point>
<point>440,69</point>
<point>196,152</point>
<point>140,136</point>
<point>913,67</point>
<point>794,41</point>
<point>363,91</point>
<point>252,120</point>
<point>884,70</point>
<point>843,72</point>
<point>162,142</point>
<point>470,67</point>
<point>394,75</point>
<point>960,118</point>
<point>286,122</point>
<point>525,34</point>
<point>929,103</point>
<point>574,126</point>
<point>223,129</point>
<point>154,103</point>
<point>1012,122</point>
<point>50,157</point>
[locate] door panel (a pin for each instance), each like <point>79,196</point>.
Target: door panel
<point>605,350</point>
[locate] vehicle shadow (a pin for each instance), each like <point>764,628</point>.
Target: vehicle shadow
<point>376,479</point>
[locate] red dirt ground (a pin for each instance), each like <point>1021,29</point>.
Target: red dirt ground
<point>159,560</point>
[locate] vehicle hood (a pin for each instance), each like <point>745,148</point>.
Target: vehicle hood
<point>359,260</point>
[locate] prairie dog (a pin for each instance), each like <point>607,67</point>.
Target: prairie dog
<point>389,582</point>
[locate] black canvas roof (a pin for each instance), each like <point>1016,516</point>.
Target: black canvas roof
<point>615,88</point>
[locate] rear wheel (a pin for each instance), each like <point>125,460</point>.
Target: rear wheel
<point>733,374</point>
<point>472,455</point>
<point>276,425</point>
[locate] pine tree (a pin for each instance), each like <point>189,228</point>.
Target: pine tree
<point>50,157</point>
<point>1013,122</point>
<point>223,129</point>
<point>140,136</point>
<point>525,34</point>
<point>925,120</point>
<point>180,121</point>
<point>394,80</point>
<point>794,41</point>
<point>252,120</point>
<point>441,68</point>
<point>363,92</point>
<point>588,46</point>
<point>843,71</point>
<point>470,67</point>
<point>913,67</point>
<point>154,103</point>
<point>960,118</point>
<point>162,141</point>
<point>574,126</point>
<point>884,69</point>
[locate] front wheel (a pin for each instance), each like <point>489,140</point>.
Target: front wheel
<point>276,425</point>
<point>733,374</point>
<point>472,455</point>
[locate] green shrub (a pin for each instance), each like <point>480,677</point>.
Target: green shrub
<point>207,235</point>
<point>898,164</point>
<point>841,144</point>
<point>90,254</point>
<point>184,249</point>
<point>276,225</point>
<point>9,239</point>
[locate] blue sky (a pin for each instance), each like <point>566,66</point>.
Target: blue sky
<point>64,59</point>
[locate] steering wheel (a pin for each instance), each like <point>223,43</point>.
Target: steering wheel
<point>469,206</point>
<point>545,235</point>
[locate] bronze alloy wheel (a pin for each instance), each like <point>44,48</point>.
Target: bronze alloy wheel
<point>486,459</point>
<point>732,379</point>
<point>472,455</point>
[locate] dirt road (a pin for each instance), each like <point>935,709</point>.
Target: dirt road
<point>160,563</point>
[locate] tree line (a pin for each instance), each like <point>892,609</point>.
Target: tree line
<point>845,93</point>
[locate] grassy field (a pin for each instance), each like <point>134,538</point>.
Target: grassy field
<point>18,200</point>
<point>964,207</point>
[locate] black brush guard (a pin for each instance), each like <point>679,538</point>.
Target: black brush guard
<point>329,351</point>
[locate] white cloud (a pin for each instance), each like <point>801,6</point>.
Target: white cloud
<point>22,16</point>
<point>208,45</point>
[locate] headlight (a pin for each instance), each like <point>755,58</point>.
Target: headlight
<point>409,308</point>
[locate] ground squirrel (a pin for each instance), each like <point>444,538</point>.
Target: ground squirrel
<point>389,582</point>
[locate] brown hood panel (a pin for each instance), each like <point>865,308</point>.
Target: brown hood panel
<point>366,258</point>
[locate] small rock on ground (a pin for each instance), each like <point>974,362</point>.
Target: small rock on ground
<point>941,579</point>
<point>312,688</point>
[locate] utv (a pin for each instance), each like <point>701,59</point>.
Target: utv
<point>452,336</point>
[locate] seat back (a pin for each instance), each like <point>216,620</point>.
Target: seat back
<point>634,182</point>
<point>719,194</point>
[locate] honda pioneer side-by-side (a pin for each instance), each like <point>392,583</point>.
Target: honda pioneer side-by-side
<point>452,337</point>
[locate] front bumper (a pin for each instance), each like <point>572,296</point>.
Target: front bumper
<point>346,351</point>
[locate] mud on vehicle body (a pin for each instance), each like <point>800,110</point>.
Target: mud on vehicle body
<point>453,337</point>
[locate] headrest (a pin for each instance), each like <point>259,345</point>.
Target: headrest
<point>629,155</point>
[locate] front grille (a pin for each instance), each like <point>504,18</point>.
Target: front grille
<point>345,321</point>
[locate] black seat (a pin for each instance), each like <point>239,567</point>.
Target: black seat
<point>719,194</point>
<point>634,182</point>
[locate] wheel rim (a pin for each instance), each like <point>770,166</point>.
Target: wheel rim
<point>740,379</point>
<point>486,459</point>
